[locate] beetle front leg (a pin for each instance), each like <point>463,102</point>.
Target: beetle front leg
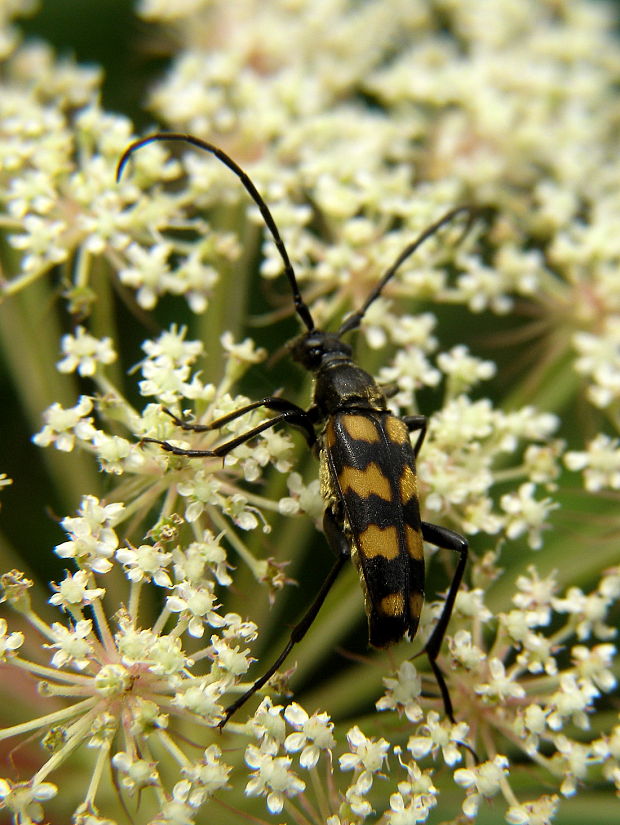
<point>296,416</point>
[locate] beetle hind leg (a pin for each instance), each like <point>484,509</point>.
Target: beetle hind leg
<point>337,540</point>
<point>447,540</point>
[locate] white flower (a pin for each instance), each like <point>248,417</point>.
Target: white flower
<point>571,702</point>
<point>64,426</point>
<point>402,813</point>
<point>315,733</point>
<point>439,733</point>
<point>199,557</point>
<point>464,370</point>
<point>229,658</point>
<point>72,644</point>
<point>245,351</point>
<point>23,799</point>
<point>271,778</point>
<point>535,596</point>
<point>145,563</point>
<point>464,651</point>
<point>197,604</point>
<point>500,687</point>
<point>403,692</point>
<point>93,540</point>
<point>210,774</point>
<point>600,462</point>
<point>172,350</point>
<point>84,352</point>
<point>595,665</point>
<point>76,590</point>
<point>202,698</point>
<point>482,781</point>
<point>9,642</point>
<point>537,812</point>
<point>41,242</point>
<point>527,514</point>
<point>366,758</point>
<point>135,774</point>
<point>268,725</point>
<point>148,271</point>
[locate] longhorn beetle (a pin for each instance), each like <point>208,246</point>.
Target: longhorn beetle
<point>366,458</point>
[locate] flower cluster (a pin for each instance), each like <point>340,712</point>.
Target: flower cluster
<point>360,124</point>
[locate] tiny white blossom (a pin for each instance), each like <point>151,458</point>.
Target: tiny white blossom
<point>145,563</point>
<point>366,758</point>
<point>438,734</point>
<point>464,651</point>
<point>23,799</point>
<point>147,272</point>
<point>527,514</point>
<point>464,370</point>
<point>268,725</point>
<point>272,778</point>
<point>595,665</point>
<point>172,349</point>
<point>135,774</point>
<point>481,782</point>
<point>197,605</point>
<point>501,686</point>
<point>245,351</point>
<point>403,692</point>
<point>201,698</point>
<point>76,590</point>
<point>9,642</point>
<point>64,426</point>
<point>600,463</point>
<point>314,734</point>
<point>209,774</point>
<point>535,596</point>
<point>93,540</point>
<point>536,812</point>
<point>83,352</point>
<point>73,644</point>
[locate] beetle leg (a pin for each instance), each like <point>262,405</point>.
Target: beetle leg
<point>417,423</point>
<point>334,536</point>
<point>293,415</point>
<point>447,540</point>
<point>390,389</point>
<point>271,402</point>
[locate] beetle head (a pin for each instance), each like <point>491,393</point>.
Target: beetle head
<point>314,349</point>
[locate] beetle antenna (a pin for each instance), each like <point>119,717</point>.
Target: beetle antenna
<point>354,320</point>
<point>301,308</point>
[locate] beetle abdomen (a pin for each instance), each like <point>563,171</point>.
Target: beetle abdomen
<point>372,468</point>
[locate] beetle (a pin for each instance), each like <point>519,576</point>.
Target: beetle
<point>367,462</point>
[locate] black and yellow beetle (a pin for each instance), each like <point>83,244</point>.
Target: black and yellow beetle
<point>367,464</point>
